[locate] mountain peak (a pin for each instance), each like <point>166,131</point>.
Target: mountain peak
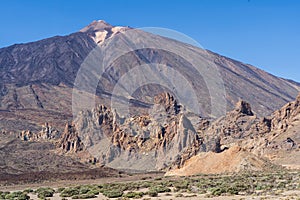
<point>96,25</point>
<point>100,30</point>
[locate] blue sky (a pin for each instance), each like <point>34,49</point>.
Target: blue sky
<point>264,33</point>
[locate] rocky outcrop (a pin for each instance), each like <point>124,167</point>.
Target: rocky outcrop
<point>168,102</point>
<point>242,141</point>
<point>243,107</point>
<point>236,125</point>
<point>144,142</point>
<point>70,141</point>
<point>168,137</point>
<point>286,116</point>
<point>47,133</point>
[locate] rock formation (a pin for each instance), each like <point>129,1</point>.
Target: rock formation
<point>47,133</point>
<point>169,137</point>
<point>245,142</point>
<point>70,141</point>
<point>143,142</point>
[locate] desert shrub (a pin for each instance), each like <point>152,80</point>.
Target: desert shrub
<point>3,194</point>
<point>69,192</point>
<point>134,195</point>
<point>232,191</point>
<point>167,183</point>
<point>11,195</point>
<point>16,195</point>
<point>152,193</point>
<point>181,185</point>
<point>145,184</point>
<point>23,196</point>
<point>160,189</point>
<point>93,191</point>
<point>84,196</point>
<point>218,191</point>
<point>88,189</point>
<point>84,190</point>
<point>27,191</point>
<point>128,186</point>
<point>42,193</point>
<point>59,190</point>
<point>112,193</point>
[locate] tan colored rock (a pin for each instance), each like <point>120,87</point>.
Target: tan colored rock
<point>70,141</point>
<point>235,159</point>
<point>168,101</point>
<point>243,107</point>
<point>47,133</point>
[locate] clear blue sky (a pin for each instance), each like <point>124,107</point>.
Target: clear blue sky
<point>264,33</point>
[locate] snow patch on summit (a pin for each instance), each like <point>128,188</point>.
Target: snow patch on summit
<point>100,30</point>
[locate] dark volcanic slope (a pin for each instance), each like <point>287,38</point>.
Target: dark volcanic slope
<point>37,78</point>
<point>23,162</point>
<point>54,60</point>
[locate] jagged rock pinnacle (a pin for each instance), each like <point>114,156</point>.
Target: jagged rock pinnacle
<point>298,98</point>
<point>244,108</point>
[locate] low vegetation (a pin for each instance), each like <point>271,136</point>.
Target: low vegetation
<point>254,184</point>
<point>43,193</point>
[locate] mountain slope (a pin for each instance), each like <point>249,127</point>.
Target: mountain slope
<point>26,162</point>
<point>37,78</point>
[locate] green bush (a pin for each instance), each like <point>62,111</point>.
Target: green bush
<point>134,195</point>
<point>42,193</point>
<point>232,191</point>
<point>59,190</point>
<point>3,194</point>
<point>218,191</point>
<point>23,196</point>
<point>160,189</point>
<point>112,193</point>
<point>69,192</point>
<point>84,190</point>
<point>145,184</point>
<point>15,195</point>
<point>29,190</point>
<point>181,185</point>
<point>152,193</point>
<point>84,196</point>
